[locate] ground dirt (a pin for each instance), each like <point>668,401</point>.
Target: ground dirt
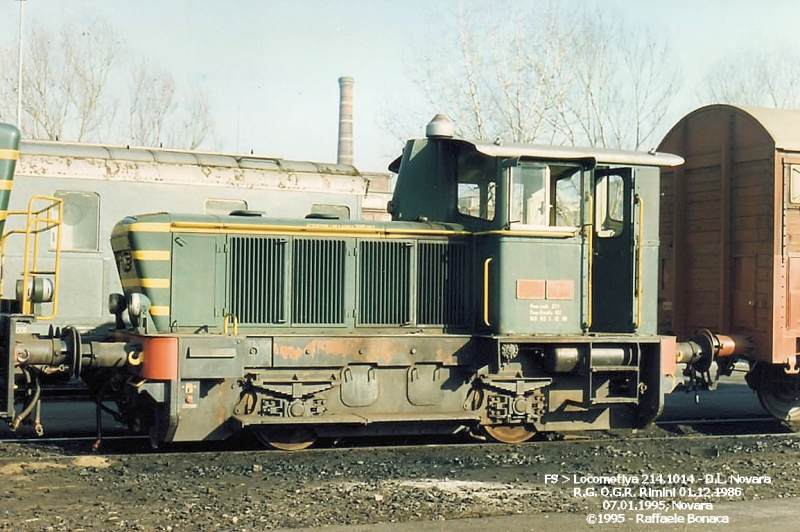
<point>66,487</point>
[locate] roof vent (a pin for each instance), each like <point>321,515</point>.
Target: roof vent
<point>440,126</point>
<point>244,212</point>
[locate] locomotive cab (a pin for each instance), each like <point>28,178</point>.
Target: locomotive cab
<point>565,238</point>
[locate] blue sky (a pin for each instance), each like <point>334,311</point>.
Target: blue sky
<point>270,67</point>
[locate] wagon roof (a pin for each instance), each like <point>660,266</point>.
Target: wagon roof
<point>137,154</point>
<point>783,125</point>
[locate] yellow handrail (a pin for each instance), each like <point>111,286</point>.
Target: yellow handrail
<point>639,249</point>
<point>486,291</point>
<point>38,221</point>
<point>235,320</point>
<point>591,261</point>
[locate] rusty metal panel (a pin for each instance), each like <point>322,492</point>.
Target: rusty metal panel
<point>561,289</point>
<point>425,384</point>
<point>359,385</point>
<point>155,165</point>
<point>668,356</point>
<point>530,288</point>
<point>793,292</point>
<point>312,351</point>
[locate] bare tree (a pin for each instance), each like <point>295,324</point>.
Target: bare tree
<point>75,82</point>
<point>194,123</point>
<point>8,80</point>
<point>754,78</point>
<point>534,73</point>
<point>499,79</point>
<point>625,82</point>
<point>532,76</point>
<point>91,57</point>
<point>66,83</point>
<point>152,99</point>
<point>160,116</point>
<point>44,95</point>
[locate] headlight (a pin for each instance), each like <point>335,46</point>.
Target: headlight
<point>39,290</point>
<point>138,304</point>
<point>116,304</point>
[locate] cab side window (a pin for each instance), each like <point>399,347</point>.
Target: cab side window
<point>610,209</point>
<point>80,227</point>
<point>794,183</point>
<point>477,185</point>
<point>568,198</point>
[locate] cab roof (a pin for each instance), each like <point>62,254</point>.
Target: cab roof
<point>568,153</point>
<point>583,155</point>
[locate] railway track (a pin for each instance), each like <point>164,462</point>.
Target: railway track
<point>742,427</point>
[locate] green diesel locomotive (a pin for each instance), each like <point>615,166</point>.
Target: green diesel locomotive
<point>513,292</point>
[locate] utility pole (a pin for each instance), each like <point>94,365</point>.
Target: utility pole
<point>19,72</point>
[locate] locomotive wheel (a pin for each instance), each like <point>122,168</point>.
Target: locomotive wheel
<point>509,433</point>
<point>286,438</point>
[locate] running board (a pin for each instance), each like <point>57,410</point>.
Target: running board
<point>354,419</point>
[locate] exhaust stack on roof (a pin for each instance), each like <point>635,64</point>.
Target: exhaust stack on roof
<point>345,153</point>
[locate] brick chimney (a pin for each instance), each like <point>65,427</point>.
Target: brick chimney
<point>345,153</point>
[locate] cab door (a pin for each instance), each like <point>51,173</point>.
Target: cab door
<point>612,272</point>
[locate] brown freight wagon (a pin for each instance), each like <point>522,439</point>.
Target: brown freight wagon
<point>730,240</point>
